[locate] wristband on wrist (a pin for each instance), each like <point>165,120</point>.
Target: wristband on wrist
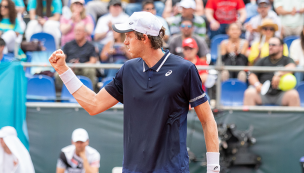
<point>257,84</point>
<point>213,162</point>
<point>71,81</point>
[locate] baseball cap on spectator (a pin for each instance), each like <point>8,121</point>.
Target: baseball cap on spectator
<point>81,1</point>
<point>7,131</point>
<point>143,22</point>
<point>114,2</point>
<point>263,1</point>
<point>188,4</point>
<point>80,135</point>
<point>189,42</point>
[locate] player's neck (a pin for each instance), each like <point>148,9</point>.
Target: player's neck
<point>152,56</point>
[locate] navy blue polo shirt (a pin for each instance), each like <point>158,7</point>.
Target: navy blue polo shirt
<point>156,102</point>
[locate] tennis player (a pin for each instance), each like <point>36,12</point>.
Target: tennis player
<point>156,90</point>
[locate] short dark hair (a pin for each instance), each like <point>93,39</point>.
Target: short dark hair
<point>146,2</point>
<point>281,40</point>
<point>156,41</point>
<point>187,19</point>
<point>2,42</point>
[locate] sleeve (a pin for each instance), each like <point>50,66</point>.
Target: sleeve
<point>278,3</point>
<point>63,20</point>
<point>285,50</point>
<point>95,160</point>
<point>294,51</point>
<point>61,162</point>
<point>101,26</point>
<point>210,5</point>
<point>203,48</point>
<point>115,87</point>
<point>289,60</point>
<point>19,3</point>
<point>18,27</point>
<point>240,5</point>
<point>254,52</point>
<point>57,6</point>
<point>31,5</point>
<point>193,87</point>
<point>258,63</point>
<point>93,52</point>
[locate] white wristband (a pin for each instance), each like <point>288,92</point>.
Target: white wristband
<point>71,81</point>
<point>213,162</point>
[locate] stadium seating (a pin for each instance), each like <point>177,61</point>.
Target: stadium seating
<point>65,94</point>
<point>47,40</point>
<point>233,92</point>
<point>41,88</point>
<point>106,81</point>
<point>288,40</point>
<point>215,42</point>
<point>300,89</point>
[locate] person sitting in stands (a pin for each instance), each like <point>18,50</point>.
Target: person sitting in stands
<point>297,54</point>
<point>233,52</point>
<point>253,96</point>
<point>260,49</point>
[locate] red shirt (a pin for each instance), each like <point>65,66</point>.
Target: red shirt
<point>200,62</point>
<point>225,11</point>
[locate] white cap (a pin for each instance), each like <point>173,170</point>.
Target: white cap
<point>81,1</point>
<point>80,135</point>
<point>188,4</point>
<point>143,22</point>
<point>7,131</point>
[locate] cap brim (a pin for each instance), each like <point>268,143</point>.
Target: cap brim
<point>122,28</point>
<point>79,139</point>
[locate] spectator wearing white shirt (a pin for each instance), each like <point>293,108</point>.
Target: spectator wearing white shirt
<point>291,14</point>
<point>297,54</point>
<point>78,157</point>
<point>264,10</point>
<point>103,30</point>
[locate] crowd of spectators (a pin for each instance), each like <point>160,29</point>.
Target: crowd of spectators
<point>84,31</point>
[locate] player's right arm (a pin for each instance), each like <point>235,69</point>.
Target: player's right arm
<point>93,103</point>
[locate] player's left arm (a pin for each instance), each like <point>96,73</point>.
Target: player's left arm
<point>206,118</point>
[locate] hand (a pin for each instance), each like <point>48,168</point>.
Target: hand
<point>111,51</point>
<point>214,25</point>
<point>110,25</point>
<point>258,88</point>
<point>57,60</point>
<point>294,11</point>
<point>275,81</point>
<point>41,21</point>
<point>82,154</point>
<point>249,27</point>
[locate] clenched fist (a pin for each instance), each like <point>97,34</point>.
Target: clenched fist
<point>57,60</point>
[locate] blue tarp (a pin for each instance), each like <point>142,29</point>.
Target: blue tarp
<point>12,99</point>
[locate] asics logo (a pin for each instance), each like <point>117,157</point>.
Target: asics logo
<point>168,73</point>
<point>215,168</point>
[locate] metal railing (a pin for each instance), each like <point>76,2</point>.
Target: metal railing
<point>218,67</point>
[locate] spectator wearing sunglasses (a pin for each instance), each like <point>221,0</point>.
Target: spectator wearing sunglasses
<point>190,51</point>
<point>44,15</point>
<point>148,6</point>
<point>188,9</point>
<point>78,15</point>
<point>175,42</point>
<point>20,8</point>
<point>103,30</point>
<point>264,11</point>
<point>260,49</point>
<point>291,14</point>
<point>10,27</point>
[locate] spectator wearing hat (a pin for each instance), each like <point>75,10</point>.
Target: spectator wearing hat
<point>190,50</point>
<point>44,17</point>
<point>175,42</point>
<point>136,6</point>
<point>148,6</point>
<point>78,15</point>
<point>233,52</point>
<point>78,157</point>
<point>188,8</point>
<point>292,16</point>
<point>264,11</point>
<point>260,48</point>
<point>221,13</point>
<point>103,30</point>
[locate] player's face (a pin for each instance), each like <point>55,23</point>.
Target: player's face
<point>80,146</point>
<point>134,46</point>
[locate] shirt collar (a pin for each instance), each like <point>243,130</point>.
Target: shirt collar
<point>159,64</point>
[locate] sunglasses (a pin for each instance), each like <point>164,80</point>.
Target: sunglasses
<point>268,28</point>
<point>4,6</point>
<point>78,3</point>
<point>188,48</point>
<point>273,45</point>
<point>148,9</point>
<point>184,26</point>
<point>263,5</point>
